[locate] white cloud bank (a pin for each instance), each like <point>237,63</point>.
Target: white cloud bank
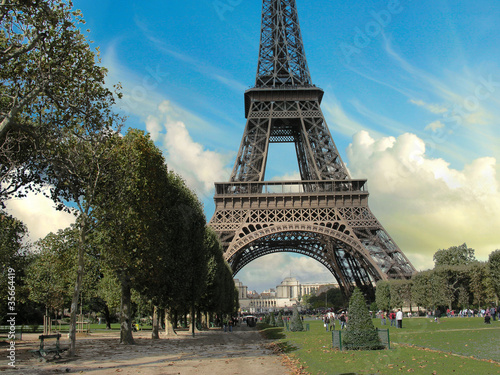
<point>39,215</point>
<point>199,166</point>
<point>423,203</point>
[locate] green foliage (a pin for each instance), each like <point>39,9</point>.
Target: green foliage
<point>272,319</point>
<point>279,320</point>
<point>296,321</point>
<point>219,273</point>
<point>383,296</point>
<point>51,86</point>
<point>13,256</point>
<point>334,298</point>
<point>360,333</point>
<point>494,271</point>
<point>454,256</point>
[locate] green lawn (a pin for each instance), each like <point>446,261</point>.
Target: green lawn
<point>454,346</point>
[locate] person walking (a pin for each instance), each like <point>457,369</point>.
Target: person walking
<point>392,318</point>
<point>399,319</point>
<point>342,321</point>
<point>382,318</point>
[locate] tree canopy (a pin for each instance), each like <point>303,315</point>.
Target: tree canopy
<point>454,256</point>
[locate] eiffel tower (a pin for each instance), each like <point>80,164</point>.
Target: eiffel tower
<point>325,215</point>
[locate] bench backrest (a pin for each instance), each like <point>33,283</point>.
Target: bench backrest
<point>43,337</point>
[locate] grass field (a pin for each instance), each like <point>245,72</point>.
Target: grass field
<point>454,346</point>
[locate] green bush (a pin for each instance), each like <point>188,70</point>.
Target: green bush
<point>296,322</point>
<point>272,320</point>
<point>361,333</point>
<point>280,322</point>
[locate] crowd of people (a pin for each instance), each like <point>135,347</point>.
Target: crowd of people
<point>330,318</point>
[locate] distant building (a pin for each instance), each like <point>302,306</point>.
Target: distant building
<point>286,295</point>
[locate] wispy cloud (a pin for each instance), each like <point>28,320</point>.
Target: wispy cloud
<point>338,119</point>
<point>203,67</point>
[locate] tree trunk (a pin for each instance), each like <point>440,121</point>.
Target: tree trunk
<point>78,284</point>
<point>169,329</point>
<point>126,310</point>
<point>156,322</point>
<point>175,319</point>
<point>193,319</point>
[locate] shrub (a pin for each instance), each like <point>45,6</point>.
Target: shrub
<point>272,320</point>
<point>296,322</point>
<point>280,322</point>
<point>360,333</point>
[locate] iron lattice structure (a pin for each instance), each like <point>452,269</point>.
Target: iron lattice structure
<point>325,215</point>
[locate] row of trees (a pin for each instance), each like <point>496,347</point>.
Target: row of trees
<point>457,281</point>
<point>137,226</point>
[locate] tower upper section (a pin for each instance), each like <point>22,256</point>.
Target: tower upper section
<point>282,59</point>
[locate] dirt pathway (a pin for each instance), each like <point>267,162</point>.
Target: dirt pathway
<point>214,352</point>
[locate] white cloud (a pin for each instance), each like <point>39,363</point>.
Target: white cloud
<point>433,108</point>
<point>424,203</point>
<point>39,215</point>
<point>435,125</point>
<point>199,166</point>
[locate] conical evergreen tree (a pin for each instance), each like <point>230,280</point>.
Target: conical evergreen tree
<point>296,322</point>
<point>280,322</point>
<point>272,319</point>
<point>361,333</point>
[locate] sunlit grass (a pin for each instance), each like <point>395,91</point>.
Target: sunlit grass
<point>455,346</point>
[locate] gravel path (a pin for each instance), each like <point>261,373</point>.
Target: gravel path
<point>242,351</point>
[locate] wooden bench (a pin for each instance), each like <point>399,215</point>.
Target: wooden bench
<point>42,352</point>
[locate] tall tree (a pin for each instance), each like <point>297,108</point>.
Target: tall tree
<point>53,92</point>
<point>127,216</point>
<point>13,248</point>
<point>383,296</point>
<point>47,71</point>
<point>454,256</point>
<point>494,271</point>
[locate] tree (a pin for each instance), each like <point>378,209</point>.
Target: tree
<point>400,292</point>
<point>48,72</point>
<point>454,279</point>
<point>383,295</point>
<point>212,300</point>
<point>296,321</point>
<point>454,256</point>
<point>129,224</point>
<point>478,280</point>
<point>50,274</point>
<point>280,322</point>
<point>13,249</point>
<point>75,174</point>
<point>420,289</point>
<point>494,271</point>
<point>360,333</point>
<point>54,103</point>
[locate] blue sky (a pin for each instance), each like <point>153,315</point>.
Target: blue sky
<point>412,99</point>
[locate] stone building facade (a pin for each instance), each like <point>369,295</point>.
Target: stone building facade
<point>286,295</point>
